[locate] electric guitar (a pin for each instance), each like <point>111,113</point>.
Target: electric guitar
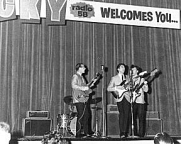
<point>120,92</point>
<point>137,88</point>
<point>83,96</point>
<point>127,85</point>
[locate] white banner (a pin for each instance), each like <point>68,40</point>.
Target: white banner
<point>100,12</point>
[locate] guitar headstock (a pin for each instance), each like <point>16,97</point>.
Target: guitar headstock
<point>153,72</point>
<point>95,79</point>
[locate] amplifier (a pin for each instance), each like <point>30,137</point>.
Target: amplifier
<point>37,114</point>
<point>113,124</point>
<point>153,126</point>
<point>112,108</point>
<point>152,114</point>
<point>36,127</point>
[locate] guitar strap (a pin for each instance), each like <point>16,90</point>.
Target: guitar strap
<point>122,77</point>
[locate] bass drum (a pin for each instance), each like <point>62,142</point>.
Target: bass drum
<point>72,126</point>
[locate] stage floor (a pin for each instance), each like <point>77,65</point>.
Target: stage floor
<point>147,140</point>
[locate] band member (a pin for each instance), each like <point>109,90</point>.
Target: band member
<point>122,97</point>
<point>5,135</point>
<point>80,98</point>
<point>140,86</point>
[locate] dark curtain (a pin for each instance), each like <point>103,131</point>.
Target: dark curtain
<point>37,62</point>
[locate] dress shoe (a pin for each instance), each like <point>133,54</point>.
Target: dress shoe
<point>87,136</point>
<point>80,135</point>
<point>122,136</point>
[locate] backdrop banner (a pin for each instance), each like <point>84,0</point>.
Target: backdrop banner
<point>31,11</point>
<point>100,12</point>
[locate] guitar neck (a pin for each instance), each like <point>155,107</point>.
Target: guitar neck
<point>138,88</point>
<point>149,79</point>
<point>94,80</point>
<point>90,83</point>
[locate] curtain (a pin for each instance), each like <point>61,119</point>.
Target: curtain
<point>37,62</point>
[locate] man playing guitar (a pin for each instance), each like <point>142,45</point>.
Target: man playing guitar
<point>120,90</point>
<point>138,100</point>
<point>79,86</point>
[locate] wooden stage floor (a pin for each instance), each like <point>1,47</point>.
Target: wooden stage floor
<point>146,140</point>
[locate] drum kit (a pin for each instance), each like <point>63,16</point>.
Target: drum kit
<point>66,123</point>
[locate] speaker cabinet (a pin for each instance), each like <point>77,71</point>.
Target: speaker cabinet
<point>113,124</point>
<point>152,114</point>
<point>36,127</point>
<point>153,126</point>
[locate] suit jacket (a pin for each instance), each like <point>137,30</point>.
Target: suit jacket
<point>140,99</point>
<point>78,83</point>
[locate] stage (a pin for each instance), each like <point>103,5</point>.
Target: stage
<point>147,140</point>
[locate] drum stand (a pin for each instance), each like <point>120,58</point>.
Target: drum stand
<point>62,127</point>
<point>97,133</point>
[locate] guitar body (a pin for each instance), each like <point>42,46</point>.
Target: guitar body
<point>82,96</point>
<point>135,96</point>
<point>119,93</point>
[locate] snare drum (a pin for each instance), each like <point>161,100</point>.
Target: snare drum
<point>63,120</point>
<point>72,126</point>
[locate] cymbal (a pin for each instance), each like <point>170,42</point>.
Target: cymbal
<point>96,100</point>
<point>68,100</point>
<point>96,108</point>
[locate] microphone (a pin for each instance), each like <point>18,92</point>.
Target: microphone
<point>102,67</point>
<point>130,71</point>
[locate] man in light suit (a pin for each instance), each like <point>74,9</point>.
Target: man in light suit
<point>78,86</point>
<point>122,97</point>
<point>139,104</point>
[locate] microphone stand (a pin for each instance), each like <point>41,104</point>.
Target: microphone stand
<point>132,115</point>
